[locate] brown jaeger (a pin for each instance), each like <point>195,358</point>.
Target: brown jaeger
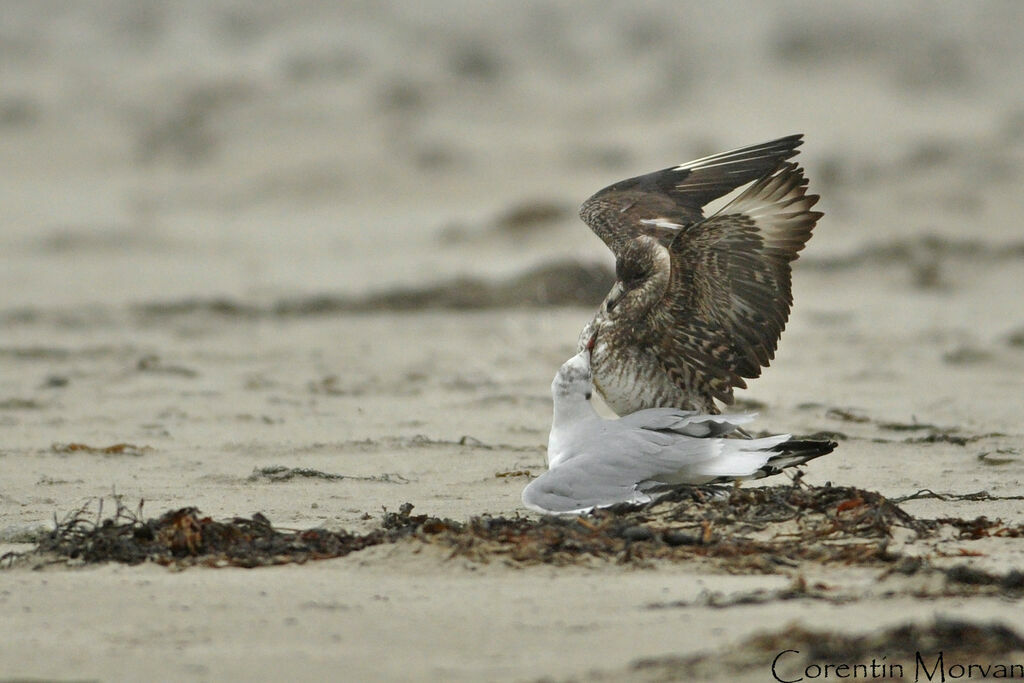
<point>699,302</point>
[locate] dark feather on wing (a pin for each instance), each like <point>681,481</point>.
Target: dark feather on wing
<point>677,195</point>
<point>730,294</point>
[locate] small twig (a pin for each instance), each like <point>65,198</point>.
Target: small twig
<point>925,494</point>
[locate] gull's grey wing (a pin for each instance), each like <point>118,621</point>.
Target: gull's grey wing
<point>730,293</point>
<point>615,469</point>
<point>630,466</point>
<point>569,490</point>
<point>660,203</point>
<point>685,422</point>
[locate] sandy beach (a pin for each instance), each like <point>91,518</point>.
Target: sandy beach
<point>340,242</point>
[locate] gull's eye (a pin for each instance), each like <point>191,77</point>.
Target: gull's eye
<point>588,395</point>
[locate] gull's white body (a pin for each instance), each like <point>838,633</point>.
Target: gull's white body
<point>594,462</point>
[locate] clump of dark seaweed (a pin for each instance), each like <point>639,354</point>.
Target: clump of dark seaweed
<point>764,530</point>
<point>756,529</point>
<point>891,653</point>
<point>185,536</point>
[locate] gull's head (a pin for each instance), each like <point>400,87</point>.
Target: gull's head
<point>574,378</point>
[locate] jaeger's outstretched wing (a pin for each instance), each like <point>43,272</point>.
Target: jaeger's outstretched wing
<point>660,203</point>
<point>730,293</point>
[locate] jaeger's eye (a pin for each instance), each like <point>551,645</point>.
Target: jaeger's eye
<point>626,271</point>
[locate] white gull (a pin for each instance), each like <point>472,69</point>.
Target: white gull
<point>594,462</point>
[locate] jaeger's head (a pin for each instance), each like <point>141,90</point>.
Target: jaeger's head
<point>642,272</point>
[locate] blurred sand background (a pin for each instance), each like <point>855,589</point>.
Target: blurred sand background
<point>342,236</point>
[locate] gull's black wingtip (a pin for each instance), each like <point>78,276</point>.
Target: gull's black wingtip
<point>808,448</point>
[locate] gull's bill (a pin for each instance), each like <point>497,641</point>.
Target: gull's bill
<point>594,462</point>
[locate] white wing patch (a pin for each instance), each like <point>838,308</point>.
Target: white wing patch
<point>661,223</point>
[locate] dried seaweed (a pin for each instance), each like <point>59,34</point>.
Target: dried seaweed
<point>115,449</point>
<point>847,525</point>
<point>750,530</point>
<point>20,404</point>
<point>1011,581</point>
<point>153,364</point>
<point>277,473</point>
<point>935,433</point>
<point>805,650</point>
<point>976,496</point>
<point>846,415</point>
<point>185,537</point>
<point>799,589</point>
<point>564,282</point>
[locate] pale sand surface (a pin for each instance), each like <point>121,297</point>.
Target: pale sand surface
<point>254,156</point>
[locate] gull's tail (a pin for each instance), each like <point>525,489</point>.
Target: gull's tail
<point>791,453</point>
